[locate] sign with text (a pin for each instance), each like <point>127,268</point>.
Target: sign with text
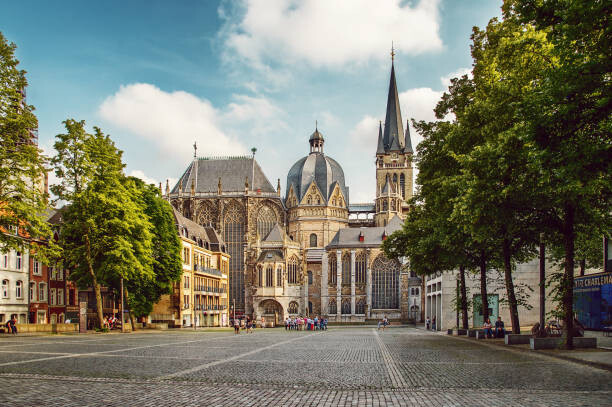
<point>593,300</point>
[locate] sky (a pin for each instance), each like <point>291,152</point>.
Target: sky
<point>231,75</point>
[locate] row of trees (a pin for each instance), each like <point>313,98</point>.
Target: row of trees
<point>526,159</point>
<point>113,227</point>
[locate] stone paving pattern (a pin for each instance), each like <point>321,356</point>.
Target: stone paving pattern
<point>340,367</point>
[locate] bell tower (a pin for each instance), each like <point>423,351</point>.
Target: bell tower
<point>393,160</point>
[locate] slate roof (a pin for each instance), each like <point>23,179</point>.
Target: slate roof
<point>275,235</point>
<point>321,169</point>
<point>198,233</point>
<point>372,237</point>
<point>232,170</point>
<point>392,139</point>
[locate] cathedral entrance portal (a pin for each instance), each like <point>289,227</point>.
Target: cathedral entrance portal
<point>272,311</point>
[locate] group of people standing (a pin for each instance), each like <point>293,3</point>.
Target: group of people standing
<point>300,324</point>
<point>432,322</point>
<point>247,324</point>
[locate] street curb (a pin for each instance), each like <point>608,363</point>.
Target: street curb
<point>598,365</point>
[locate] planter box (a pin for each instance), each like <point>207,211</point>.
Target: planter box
<point>55,328</point>
<point>472,332</point>
<point>556,342</point>
<point>516,339</point>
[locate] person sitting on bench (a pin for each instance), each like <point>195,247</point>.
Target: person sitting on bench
<point>486,327</point>
<point>499,328</point>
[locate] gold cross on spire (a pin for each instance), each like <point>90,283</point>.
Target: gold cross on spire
<point>392,52</point>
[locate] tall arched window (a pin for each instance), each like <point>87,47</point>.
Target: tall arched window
<point>346,306</point>
<point>332,308</point>
<point>385,205</point>
<point>309,277</point>
<point>313,240</point>
<point>360,268</point>
<point>346,269</point>
<point>403,185</point>
<point>309,307</point>
<point>233,234</point>
<point>394,180</point>
<point>293,271</point>
<point>207,215</point>
<point>385,283</point>
<point>266,219</point>
<point>360,307</point>
<point>332,276</point>
<point>269,277</point>
<point>293,307</point>
<point>279,277</point>
<point>260,276</point>
<point>19,289</point>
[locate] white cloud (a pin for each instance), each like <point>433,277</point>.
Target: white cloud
<point>446,80</point>
<point>140,174</point>
<point>328,34</point>
<point>173,120</point>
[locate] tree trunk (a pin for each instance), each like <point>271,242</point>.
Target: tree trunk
<point>483,287</point>
<point>464,308</point>
<point>514,317</point>
<point>568,277</point>
<point>582,266</point>
<point>94,282</point>
<point>127,302</point>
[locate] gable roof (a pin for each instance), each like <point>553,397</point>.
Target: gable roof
<point>275,235</point>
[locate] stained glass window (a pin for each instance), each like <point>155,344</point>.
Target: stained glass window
<point>385,283</point>
<point>234,229</point>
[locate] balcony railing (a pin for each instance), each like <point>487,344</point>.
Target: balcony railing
<point>208,270</point>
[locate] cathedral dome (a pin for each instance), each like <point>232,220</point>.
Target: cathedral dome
<point>317,167</point>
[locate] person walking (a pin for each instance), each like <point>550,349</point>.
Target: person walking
<point>433,323</point>
<point>427,321</point>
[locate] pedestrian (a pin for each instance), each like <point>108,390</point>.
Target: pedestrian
<point>433,323</point>
<point>500,332</point>
<point>263,322</point>
<point>427,323</point>
<point>13,325</point>
<point>236,327</point>
<point>379,324</point>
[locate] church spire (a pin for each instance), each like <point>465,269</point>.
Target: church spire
<point>394,129</point>
<point>380,149</point>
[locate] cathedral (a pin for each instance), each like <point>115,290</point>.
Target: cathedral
<point>310,251</point>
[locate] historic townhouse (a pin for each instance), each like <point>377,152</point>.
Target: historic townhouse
<point>201,297</point>
<point>38,289</point>
<point>311,252</point>
<point>14,282</point>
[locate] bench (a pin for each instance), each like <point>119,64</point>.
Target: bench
<point>516,339</point>
<point>472,332</point>
<point>555,342</point>
<point>607,330</point>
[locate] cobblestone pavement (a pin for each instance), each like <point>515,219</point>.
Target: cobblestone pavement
<point>340,367</point>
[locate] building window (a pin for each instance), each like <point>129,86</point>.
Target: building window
<point>266,219</point>
<point>60,274</point>
<point>403,185</point>
<point>313,240</point>
<point>42,292</point>
<point>332,277</point>
<point>52,298</point>
<point>186,255</point>
<point>293,307</point>
<point>19,289</point>
<point>360,268</point>
<point>186,301</point>
<point>346,306</point>
<point>385,283</point>
<point>309,307</point>
<point>186,282</point>
<point>36,268</point>
<point>18,261</point>
<point>233,234</point>
<point>71,296</point>
<point>269,277</point>
<point>346,269</point>
<point>260,276</point>
<point>32,292</point>
<point>279,277</point>
<point>293,271</point>
<point>60,296</point>
<point>53,274</point>
<point>332,308</point>
<point>309,277</point>
<point>360,307</point>
<point>5,288</point>
<point>5,260</point>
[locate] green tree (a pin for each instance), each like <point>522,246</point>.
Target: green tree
<point>166,265</point>
<point>23,201</point>
<point>105,235</point>
<point>567,116</point>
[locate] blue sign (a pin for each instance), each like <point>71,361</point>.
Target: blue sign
<point>593,300</point>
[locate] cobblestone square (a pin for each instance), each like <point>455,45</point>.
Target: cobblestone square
<point>339,367</point>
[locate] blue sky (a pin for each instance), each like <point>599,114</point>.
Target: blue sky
<point>159,75</point>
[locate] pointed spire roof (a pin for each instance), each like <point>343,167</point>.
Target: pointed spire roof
<point>407,142</point>
<point>381,147</point>
<point>387,189</point>
<point>393,119</point>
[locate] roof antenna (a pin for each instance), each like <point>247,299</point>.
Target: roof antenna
<point>316,125</point>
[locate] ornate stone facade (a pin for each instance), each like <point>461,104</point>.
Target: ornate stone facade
<point>300,255</point>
